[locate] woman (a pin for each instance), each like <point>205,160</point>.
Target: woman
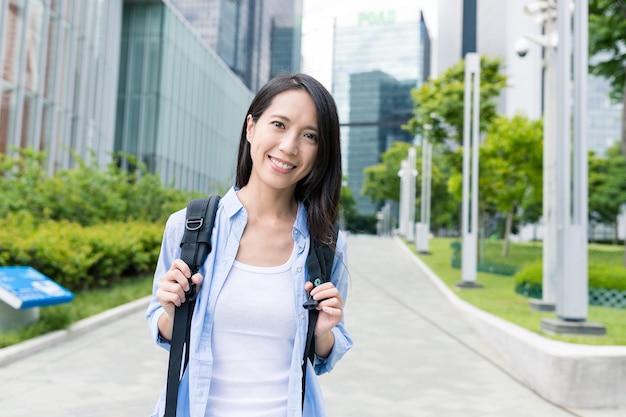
<point>249,326</point>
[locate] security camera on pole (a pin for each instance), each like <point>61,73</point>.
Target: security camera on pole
<point>469,248</point>
<point>572,292</point>
<point>545,14</point>
<point>565,274</point>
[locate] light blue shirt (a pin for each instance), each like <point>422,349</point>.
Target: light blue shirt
<point>230,222</point>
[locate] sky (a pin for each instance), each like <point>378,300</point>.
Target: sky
<point>317,24</point>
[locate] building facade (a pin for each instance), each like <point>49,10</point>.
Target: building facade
<point>59,63</point>
<point>379,56</point>
<point>93,78</point>
<point>179,107</point>
<point>257,39</point>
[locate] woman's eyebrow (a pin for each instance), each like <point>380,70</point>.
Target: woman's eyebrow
<point>287,119</point>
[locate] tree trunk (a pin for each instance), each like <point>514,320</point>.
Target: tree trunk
<point>507,234</point>
<point>616,231</point>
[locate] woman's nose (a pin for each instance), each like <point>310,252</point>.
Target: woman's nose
<point>289,144</point>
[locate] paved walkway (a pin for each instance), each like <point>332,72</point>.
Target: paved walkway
<point>413,356</point>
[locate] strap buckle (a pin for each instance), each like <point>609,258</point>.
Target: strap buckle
<point>194,224</point>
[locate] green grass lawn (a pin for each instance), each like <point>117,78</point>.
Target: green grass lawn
<point>498,296</point>
<point>84,304</point>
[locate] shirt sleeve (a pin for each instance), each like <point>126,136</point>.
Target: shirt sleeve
<point>170,249</point>
<point>343,341</point>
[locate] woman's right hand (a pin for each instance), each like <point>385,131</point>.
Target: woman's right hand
<point>171,293</point>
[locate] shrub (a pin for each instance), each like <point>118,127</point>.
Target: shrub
<point>86,194</point>
<point>79,257</point>
<point>528,281</point>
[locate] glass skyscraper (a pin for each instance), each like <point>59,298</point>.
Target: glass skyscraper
<point>379,57</point>
<point>179,107</point>
<point>59,63</point>
<point>97,77</point>
<point>256,39</point>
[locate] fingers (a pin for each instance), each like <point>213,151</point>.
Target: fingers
<point>174,284</point>
<point>329,298</point>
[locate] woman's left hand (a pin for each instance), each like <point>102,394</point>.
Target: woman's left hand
<point>330,306</point>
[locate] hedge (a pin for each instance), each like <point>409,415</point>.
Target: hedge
<point>528,281</point>
<point>80,257</point>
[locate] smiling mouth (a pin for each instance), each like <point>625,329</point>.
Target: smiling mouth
<point>282,164</point>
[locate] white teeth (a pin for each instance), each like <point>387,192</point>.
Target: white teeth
<point>282,164</point>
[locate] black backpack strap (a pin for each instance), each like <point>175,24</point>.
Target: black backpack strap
<point>195,247</point>
<point>319,263</point>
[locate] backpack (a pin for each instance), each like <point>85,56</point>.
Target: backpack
<point>195,247</point>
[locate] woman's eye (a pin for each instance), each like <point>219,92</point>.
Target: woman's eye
<point>311,136</point>
<point>278,124</point>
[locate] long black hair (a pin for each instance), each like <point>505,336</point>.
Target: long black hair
<point>319,190</point>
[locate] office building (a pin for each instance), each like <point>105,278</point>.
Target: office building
<point>59,63</point>
<point>256,39</point>
<point>98,77</point>
<point>379,57</point>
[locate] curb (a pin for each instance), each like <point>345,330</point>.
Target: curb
<point>19,351</point>
<point>567,374</point>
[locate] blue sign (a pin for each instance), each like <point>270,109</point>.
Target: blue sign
<point>24,287</point>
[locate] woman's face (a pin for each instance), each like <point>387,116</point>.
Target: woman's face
<point>283,141</point>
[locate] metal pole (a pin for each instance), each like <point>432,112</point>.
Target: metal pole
<point>423,227</point>
<point>563,145</point>
<point>411,178</point>
<point>550,199</point>
<point>402,215</point>
<point>470,170</point>
<point>572,297</point>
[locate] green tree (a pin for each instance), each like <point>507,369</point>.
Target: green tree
<point>510,170</point>
<point>607,44</point>
<point>347,204</point>
<point>512,167</point>
<point>438,113</point>
<point>607,187</point>
<point>382,183</point>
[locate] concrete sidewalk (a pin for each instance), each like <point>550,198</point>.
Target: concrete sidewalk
<point>413,356</point>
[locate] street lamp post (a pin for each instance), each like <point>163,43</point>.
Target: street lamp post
<point>471,118</point>
<point>545,13</point>
<point>407,174</point>
<point>565,175</point>
<point>423,227</point>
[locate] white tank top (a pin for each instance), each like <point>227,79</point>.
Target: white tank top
<point>252,342</point>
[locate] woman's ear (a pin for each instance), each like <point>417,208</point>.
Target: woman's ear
<point>249,127</point>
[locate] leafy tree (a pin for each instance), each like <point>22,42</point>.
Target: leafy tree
<point>607,187</point>
<point>382,183</point>
<point>438,113</point>
<point>510,170</point>
<point>607,42</point>
<point>347,204</point>
<point>512,167</point>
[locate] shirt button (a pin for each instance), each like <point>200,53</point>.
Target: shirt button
<point>295,232</point>
<point>299,269</point>
<point>302,316</point>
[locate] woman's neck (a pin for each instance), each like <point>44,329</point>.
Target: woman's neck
<point>264,203</point>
